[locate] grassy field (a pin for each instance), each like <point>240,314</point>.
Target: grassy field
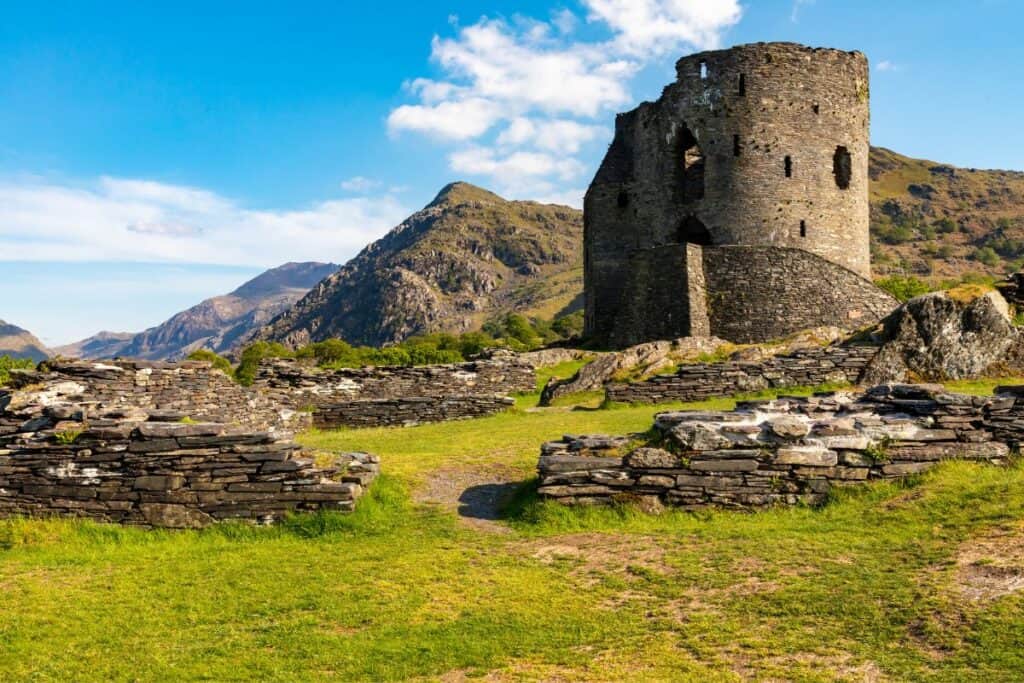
<point>887,582</point>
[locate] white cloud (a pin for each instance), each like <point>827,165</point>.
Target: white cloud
<point>360,184</point>
<point>798,5</point>
<point>116,219</point>
<point>886,65</point>
<point>515,166</point>
<point>521,99</point>
<point>655,27</point>
<point>458,120</point>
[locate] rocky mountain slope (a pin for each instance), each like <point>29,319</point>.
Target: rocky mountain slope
<point>936,221</point>
<point>467,257</point>
<point>216,323</point>
<point>19,343</point>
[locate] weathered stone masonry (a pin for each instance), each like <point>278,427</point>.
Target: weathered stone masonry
<point>360,397</point>
<point>786,451</point>
<point>762,147</point>
<point>699,381</point>
<point>63,456</point>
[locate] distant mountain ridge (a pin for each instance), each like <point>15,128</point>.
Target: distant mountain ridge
<point>19,343</point>
<point>467,257</point>
<point>216,323</point>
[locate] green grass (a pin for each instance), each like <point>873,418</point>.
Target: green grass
<point>401,590</point>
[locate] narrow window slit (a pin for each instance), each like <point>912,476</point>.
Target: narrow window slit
<point>789,167</point>
<point>743,85</point>
<point>736,145</point>
<point>623,199</point>
<point>817,108</point>
<point>803,228</point>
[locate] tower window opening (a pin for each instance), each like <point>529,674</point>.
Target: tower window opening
<point>817,108</point>
<point>743,85</point>
<point>803,228</point>
<point>789,167</point>
<point>703,70</point>
<point>842,167</point>
<point>736,148</point>
<point>691,166</point>
<point>623,200</point>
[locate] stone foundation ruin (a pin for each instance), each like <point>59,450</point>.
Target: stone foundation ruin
<point>128,457</point>
<point>371,397</point>
<point>785,451</point>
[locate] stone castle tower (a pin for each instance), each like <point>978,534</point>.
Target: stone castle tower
<point>737,204</point>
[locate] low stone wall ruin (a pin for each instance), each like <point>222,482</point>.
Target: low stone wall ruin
<point>60,457</point>
<point>361,397</point>
<point>191,389</point>
<point>408,412</point>
<point>784,451</point>
<point>160,444</point>
<point>699,381</point>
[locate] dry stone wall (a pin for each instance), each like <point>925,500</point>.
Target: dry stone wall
<point>193,390</point>
<point>785,451</point>
<point>699,381</point>
<point>362,397</point>
<point>59,457</point>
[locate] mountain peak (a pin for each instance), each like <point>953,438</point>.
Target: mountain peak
<point>287,277</point>
<point>461,192</point>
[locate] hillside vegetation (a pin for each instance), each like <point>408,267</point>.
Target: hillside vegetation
<point>938,222</point>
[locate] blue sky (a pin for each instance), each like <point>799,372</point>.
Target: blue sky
<point>155,154</point>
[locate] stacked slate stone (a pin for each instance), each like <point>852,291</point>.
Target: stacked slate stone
<point>58,457</point>
<point>408,412</point>
<point>193,388</point>
<point>696,382</point>
<point>785,451</point>
<point>369,397</point>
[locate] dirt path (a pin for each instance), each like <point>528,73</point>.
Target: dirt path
<point>476,493</point>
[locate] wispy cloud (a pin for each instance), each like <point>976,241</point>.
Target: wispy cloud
<point>886,65</point>
<point>520,98</point>
<point>118,219</point>
<point>361,185</point>
<point>798,5</point>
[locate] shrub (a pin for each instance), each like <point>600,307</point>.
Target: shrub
<point>245,373</point>
<point>7,363</point>
<point>219,362</point>
<point>987,256</point>
<point>946,225</point>
<point>904,287</point>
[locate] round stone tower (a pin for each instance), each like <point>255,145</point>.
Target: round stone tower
<point>782,132</point>
<point>762,145</point>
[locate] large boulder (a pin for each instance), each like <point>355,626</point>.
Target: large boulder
<point>945,335</point>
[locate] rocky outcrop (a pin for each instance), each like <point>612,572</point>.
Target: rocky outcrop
<point>782,452</point>
<point>18,343</point>
<point>945,336</point>
<point>467,256</point>
<point>215,324</point>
